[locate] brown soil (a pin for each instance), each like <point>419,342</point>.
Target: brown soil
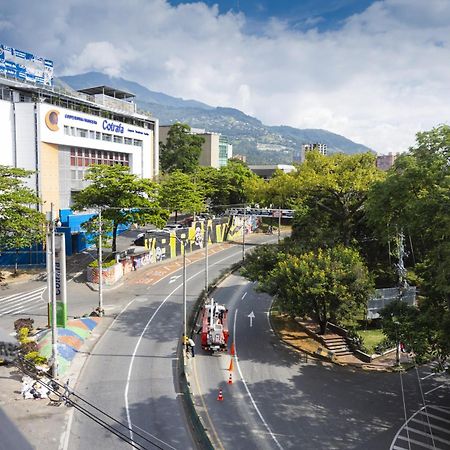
<point>292,333</point>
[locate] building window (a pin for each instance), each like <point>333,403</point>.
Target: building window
<point>128,141</point>
<point>137,143</point>
<point>106,137</point>
<point>118,139</point>
<point>66,130</point>
<point>81,132</point>
<point>98,135</point>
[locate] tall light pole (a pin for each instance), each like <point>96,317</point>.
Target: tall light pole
<point>52,292</point>
<point>100,265</point>
<point>206,259</point>
<point>243,232</point>
<point>279,224</point>
<point>184,295</point>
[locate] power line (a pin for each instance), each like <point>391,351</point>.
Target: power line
<point>26,367</point>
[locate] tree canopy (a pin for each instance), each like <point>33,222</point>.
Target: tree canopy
<point>123,197</point>
<point>21,224</point>
<point>182,149</point>
<point>326,284</point>
<point>180,194</point>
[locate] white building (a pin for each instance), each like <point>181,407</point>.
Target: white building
<point>58,135</point>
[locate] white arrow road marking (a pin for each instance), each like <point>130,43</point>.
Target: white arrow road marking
<point>174,278</point>
<point>252,316</point>
<point>236,358</point>
<point>244,296</point>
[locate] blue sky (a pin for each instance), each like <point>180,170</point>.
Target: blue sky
<point>376,72</point>
<point>300,14</point>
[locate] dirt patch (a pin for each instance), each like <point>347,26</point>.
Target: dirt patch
<point>9,277</point>
<point>293,334</point>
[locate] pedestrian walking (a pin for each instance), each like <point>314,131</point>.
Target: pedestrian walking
<point>192,347</point>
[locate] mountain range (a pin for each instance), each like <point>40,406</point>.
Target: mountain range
<point>261,144</point>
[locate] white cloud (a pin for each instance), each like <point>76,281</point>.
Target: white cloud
<point>380,78</point>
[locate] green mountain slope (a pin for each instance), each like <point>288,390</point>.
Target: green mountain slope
<point>261,144</point>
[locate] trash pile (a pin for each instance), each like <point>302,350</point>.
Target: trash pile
<point>34,389</point>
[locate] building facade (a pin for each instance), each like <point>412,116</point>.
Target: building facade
<point>385,162</point>
<point>299,156</point>
<point>216,150</point>
<point>59,135</point>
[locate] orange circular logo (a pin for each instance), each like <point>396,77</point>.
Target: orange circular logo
<point>51,120</point>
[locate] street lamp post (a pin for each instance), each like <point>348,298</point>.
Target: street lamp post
<point>51,275</point>
<point>243,232</point>
<point>184,296</point>
<point>206,259</point>
<point>100,265</point>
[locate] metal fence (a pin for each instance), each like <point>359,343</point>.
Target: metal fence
<point>385,296</point>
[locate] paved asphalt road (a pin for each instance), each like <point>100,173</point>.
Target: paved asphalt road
<point>131,372</point>
<point>278,400</point>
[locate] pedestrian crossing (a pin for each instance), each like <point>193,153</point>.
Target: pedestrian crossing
<point>22,302</point>
<point>428,428</point>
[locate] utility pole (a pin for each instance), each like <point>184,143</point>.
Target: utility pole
<point>100,265</point>
<point>206,258</point>
<point>184,296</point>
<point>53,296</point>
<point>279,224</point>
<point>243,232</point>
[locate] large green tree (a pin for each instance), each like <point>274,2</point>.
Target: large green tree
<point>332,191</point>
<point>178,193</point>
<point>182,149</point>
<point>327,284</point>
<point>123,197</point>
<point>21,224</point>
<point>415,199</point>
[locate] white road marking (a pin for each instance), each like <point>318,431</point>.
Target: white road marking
<point>434,389</point>
<point>246,387</point>
<point>133,356</point>
<point>251,316</point>
<point>174,278</point>
<point>245,294</point>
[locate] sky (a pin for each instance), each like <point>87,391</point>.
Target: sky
<point>376,72</point>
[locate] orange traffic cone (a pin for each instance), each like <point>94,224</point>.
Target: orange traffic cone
<point>220,396</point>
<point>230,379</point>
<point>230,367</point>
<point>232,351</point>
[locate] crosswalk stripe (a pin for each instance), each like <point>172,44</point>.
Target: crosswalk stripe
<point>20,294</point>
<point>432,425</point>
<point>18,307</point>
<point>444,410</point>
<point>21,299</point>
<point>419,443</point>
<point>435,417</point>
<point>16,303</point>
<point>428,435</point>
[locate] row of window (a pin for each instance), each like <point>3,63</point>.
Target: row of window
<point>83,133</point>
<point>84,157</point>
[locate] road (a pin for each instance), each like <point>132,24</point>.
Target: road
<point>277,400</point>
<point>131,373</point>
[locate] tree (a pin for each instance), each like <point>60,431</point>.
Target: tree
<point>332,191</point>
<point>123,197</point>
<point>21,224</point>
<point>235,176</point>
<point>326,284</point>
<point>182,149</point>
<point>178,193</point>
<point>415,199</point>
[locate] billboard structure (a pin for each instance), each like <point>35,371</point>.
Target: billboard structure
<point>25,66</point>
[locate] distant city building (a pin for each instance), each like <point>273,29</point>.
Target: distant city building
<point>385,162</point>
<point>267,171</point>
<point>300,155</point>
<point>216,150</point>
<point>242,158</point>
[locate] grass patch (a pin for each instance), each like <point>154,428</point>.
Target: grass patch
<point>371,338</point>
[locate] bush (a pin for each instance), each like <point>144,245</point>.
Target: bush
<point>28,347</point>
<point>22,335</point>
<point>23,323</point>
<point>35,358</point>
<point>385,344</point>
<point>105,264</point>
